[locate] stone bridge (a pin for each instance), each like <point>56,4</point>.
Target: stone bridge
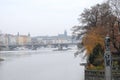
<point>37,45</point>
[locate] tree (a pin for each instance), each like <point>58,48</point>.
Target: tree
<point>96,57</point>
<point>115,7</point>
<point>115,24</point>
<point>106,16</point>
<point>97,22</point>
<point>97,15</point>
<point>92,38</point>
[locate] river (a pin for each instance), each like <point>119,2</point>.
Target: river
<point>42,64</point>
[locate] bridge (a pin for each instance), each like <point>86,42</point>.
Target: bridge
<point>34,46</point>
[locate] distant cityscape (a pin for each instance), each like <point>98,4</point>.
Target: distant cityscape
<point>18,39</point>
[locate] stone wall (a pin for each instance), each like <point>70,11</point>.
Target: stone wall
<point>100,75</point>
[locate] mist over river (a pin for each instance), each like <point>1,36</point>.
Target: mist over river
<point>42,64</point>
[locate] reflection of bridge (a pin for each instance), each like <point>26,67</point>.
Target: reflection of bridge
<point>36,45</point>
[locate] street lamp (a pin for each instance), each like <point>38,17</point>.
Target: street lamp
<point>108,59</point>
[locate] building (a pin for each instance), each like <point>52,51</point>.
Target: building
<point>23,39</point>
<point>9,39</point>
<point>60,38</point>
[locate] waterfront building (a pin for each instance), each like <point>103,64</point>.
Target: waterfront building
<point>27,40</point>
<point>12,39</point>
<point>60,38</point>
<point>2,39</point>
<point>23,39</point>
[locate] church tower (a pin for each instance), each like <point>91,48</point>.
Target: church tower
<point>65,33</point>
<point>28,34</point>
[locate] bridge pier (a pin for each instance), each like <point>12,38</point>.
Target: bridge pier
<point>60,47</point>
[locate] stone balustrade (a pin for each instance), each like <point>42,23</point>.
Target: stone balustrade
<point>100,74</point>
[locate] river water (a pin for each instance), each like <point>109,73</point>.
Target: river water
<point>42,64</point>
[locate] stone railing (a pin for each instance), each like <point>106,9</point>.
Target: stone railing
<point>100,75</point>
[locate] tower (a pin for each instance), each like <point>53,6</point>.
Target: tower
<point>65,33</point>
<point>18,34</point>
<point>17,38</point>
<point>28,34</point>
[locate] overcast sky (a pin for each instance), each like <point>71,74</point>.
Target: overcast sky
<point>41,17</point>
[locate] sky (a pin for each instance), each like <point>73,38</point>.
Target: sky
<point>41,17</point>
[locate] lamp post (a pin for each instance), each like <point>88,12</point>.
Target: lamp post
<point>108,59</point>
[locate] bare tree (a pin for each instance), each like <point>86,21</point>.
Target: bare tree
<point>96,16</point>
<point>115,5</point>
<point>101,15</point>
